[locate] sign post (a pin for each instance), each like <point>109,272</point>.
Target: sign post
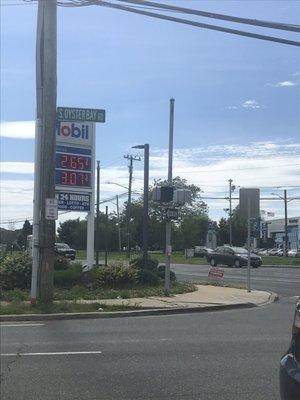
<point>75,165</point>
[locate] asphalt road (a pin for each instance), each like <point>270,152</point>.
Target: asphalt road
<point>282,280</point>
<point>227,355</point>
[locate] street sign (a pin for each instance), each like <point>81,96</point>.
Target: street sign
<point>73,201</point>
<point>51,209</point>
<point>80,114</point>
<point>216,273</point>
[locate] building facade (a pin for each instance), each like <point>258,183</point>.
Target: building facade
<point>275,229</point>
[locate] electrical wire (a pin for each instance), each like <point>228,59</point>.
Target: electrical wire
<point>248,21</point>
<point>197,24</point>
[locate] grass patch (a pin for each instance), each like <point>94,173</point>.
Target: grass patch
<point>18,307</point>
<point>179,258</point>
<point>219,284</point>
<point>84,293</point>
<point>288,261</point>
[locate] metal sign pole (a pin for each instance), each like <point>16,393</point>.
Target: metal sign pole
<point>91,214</point>
<point>248,245</point>
<point>170,181</point>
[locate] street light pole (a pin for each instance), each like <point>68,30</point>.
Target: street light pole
<point>170,182</point>
<point>286,239</point>
<point>230,212</point>
<point>98,213</point>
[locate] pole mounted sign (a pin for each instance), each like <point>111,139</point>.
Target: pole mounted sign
<point>75,165</point>
<point>80,114</point>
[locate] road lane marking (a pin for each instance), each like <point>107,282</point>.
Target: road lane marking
<point>10,325</point>
<point>55,353</point>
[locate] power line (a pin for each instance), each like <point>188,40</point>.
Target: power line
<point>248,21</point>
<point>196,24</point>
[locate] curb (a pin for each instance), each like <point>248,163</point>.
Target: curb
<point>136,313</point>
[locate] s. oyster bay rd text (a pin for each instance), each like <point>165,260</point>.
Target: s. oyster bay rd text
<point>80,114</point>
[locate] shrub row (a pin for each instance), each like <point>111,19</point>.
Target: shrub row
<point>15,272</point>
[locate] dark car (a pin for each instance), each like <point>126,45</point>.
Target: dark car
<point>201,251</point>
<point>232,256</point>
<point>63,249</point>
<point>290,363</point>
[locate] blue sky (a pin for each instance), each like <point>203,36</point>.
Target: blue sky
<point>237,99</point>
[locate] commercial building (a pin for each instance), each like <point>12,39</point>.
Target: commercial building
<point>275,229</point>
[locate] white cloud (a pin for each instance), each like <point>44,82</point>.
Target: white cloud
<point>18,129</point>
<point>251,104</point>
<point>258,164</point>
<point>17,167</point>
<point>285,84</point>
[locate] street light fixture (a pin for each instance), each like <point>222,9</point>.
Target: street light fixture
<point>145,201</point>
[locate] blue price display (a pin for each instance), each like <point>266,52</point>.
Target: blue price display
<point>73,178</point>
<point>73,162</point>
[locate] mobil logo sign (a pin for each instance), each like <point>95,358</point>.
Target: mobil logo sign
<point>75,132</point>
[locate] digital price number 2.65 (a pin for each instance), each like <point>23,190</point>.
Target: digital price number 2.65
<point>75,162</point>
<point>72,178</point>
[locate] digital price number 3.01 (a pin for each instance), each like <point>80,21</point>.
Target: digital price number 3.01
<point>73,162</point>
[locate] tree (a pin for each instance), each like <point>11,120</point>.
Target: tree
<point>239,230</point>
<point>25,231</point>
<point>196,207</point>
<point>73,232</point>
<point>192,218</point>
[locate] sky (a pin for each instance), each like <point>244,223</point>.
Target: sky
<point>237,99</point>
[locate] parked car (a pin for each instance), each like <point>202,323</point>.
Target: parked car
<point>290,363</point>
<point>65,250</point>
<point>262,252</point>
<point>293,253</point>
<point>273,252</point>
<point>232,256</point>
<point>201,251</point>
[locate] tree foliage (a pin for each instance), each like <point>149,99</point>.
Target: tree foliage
<point>239,230</point>
<point>189,230</point>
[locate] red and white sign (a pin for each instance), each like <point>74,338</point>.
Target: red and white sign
<point>216,273</point>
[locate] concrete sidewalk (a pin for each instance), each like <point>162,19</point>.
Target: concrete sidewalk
<point>204,296</point>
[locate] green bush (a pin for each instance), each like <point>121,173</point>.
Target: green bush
<point>153,274</point>
<point>115,275</point>
<point>161,273</point>
<point>15,271</point>
<point>137,262</point>
<point>67,278</point>
<point>61,263</point>
<point>148,277</point>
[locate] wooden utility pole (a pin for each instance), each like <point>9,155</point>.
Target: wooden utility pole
<point>130,167</point>
<point>44,180</point>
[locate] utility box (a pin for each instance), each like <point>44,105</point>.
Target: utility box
<point>182,196</point>
<point>164,194</point>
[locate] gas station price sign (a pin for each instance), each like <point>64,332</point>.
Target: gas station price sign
<point>73,178</point>
<point>73,162</point>
<point>73,167</point>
